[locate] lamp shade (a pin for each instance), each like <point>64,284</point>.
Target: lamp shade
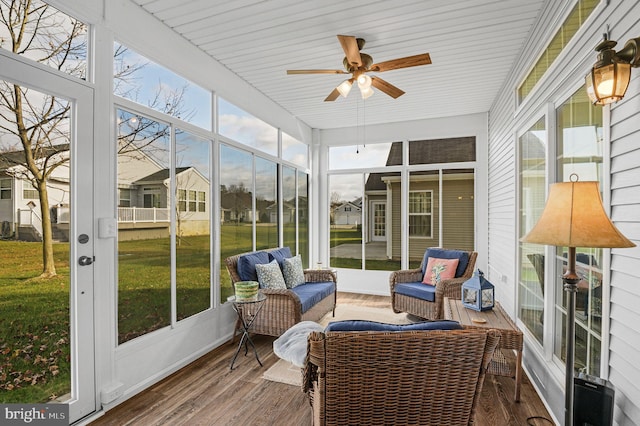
<point>345,87</point>
<point>574,217</point>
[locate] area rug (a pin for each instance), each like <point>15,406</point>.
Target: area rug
<point>285,372</point>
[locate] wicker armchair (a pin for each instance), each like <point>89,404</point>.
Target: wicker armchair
<point>401,378</point>
<point>283,309</point>
<point>424,308</point>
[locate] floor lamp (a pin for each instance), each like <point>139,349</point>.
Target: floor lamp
<point>574,217</point>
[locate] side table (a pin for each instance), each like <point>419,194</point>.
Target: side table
<point>496,318</point>
<point>247,311</point>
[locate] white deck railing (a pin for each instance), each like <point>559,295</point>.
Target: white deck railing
<point>142,214</point>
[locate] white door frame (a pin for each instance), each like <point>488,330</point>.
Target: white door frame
<point>83,400</point>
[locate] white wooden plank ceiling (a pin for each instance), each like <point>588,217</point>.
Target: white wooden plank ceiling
<point>473,45</point>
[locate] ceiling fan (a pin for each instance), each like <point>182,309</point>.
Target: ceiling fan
<point>359,63</point>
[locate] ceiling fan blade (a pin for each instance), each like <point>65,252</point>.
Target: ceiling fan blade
<point>333,95</point>
<point>316,72</point>
<point>351,50</point>
<point>409,61</point>
<point>386,87</point>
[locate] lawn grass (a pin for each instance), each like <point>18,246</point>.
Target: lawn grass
<point>34,313</point>
<point>34,324</point>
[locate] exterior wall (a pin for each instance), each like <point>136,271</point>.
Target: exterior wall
<point>506,118</point>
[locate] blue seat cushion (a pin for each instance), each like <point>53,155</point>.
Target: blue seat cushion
<point>362,325</point>
<point>280,255</point>
<point>312,293</point>
<point>417,290</point>
<point>247,265</point>
<point>462,256</point>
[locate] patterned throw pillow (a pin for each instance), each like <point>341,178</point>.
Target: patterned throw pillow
<point>293,271</point>
<point>439,269</point>
<point>270,275</point>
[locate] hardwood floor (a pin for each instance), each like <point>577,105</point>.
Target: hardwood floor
<point>206,392</point>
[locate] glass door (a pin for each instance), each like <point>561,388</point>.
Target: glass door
<point>46,320</point>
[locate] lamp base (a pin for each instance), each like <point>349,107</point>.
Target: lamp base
<point>592,401</point>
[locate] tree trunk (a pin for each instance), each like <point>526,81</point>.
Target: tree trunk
<point>48,265</point>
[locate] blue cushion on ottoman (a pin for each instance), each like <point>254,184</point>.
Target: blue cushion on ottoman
<point>247,265</point>
<point>312,293</point>
<point>362,325</point>
<point>462,256</point>
<point>417,290</point>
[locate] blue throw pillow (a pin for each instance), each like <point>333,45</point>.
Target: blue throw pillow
<point>362,325</point>
<point>280,255</point>
<point>462,256</point>
<point>247,265</point>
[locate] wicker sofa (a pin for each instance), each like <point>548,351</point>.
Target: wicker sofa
<point>283,307</point>
<point>409,295</point>
<point>406,377</point>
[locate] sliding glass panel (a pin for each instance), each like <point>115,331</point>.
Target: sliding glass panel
<point>289,211</point>
<point>266,204</point>
<point>346,221</point>
<point>533,171</point>
<point>379,216</point>
<point>193,253</point>
<point>303,217</point>
<point>144,243</point>
<point>580,140</point>
<point>236,209</point>
<point>422,210</point>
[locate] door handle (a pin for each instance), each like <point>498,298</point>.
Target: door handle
<point>85,260</point>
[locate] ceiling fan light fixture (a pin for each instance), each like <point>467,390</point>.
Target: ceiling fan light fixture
<point>345,87</point>
<point>366,93</point>
<point>364,82</point>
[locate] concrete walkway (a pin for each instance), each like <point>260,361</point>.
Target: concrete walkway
<point>376,250</point>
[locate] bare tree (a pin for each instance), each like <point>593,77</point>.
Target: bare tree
<point>38,123</point>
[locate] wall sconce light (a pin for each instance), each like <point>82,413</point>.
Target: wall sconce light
<point>608,79</point>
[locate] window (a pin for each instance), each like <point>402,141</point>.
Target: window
<point>532,148</point>
<point>5,189</point>
<point>420,219</point>
<point>192,200</point>
<point>577,17</point>
<point>579,151</point>
<point>144,255</point>
<point>54,38</point>
<point>124,196</point>
<point>243,127</point>
<point>435,208</point>
<point>140,80</point>
<point>202,201</point>
<point>295,151</point>
<point>29,194</point>
<point>182,200</point>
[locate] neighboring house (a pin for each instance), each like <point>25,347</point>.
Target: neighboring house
<point>20,215</point>
<point>143,191</point>
<point>348,213</point>
<point>382,190</point>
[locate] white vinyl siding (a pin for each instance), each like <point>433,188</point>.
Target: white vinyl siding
<point>505,120</point>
